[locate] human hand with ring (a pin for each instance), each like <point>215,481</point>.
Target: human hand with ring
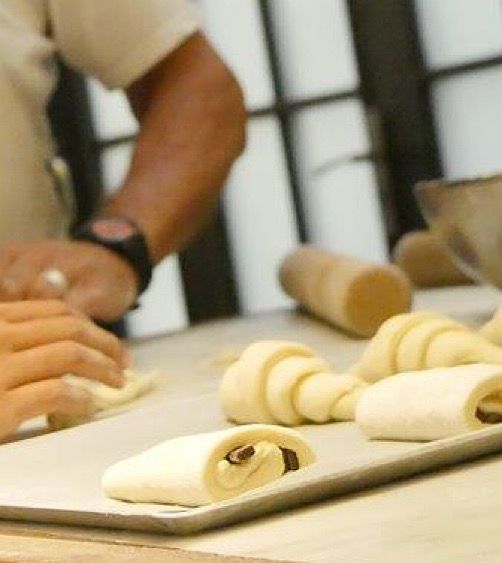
<point>89,277</point>
<point>40,341</point>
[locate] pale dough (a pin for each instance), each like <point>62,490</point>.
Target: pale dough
<point>279,382</point>
<point>104,397</point>
<point>194,470</point>
<point>221,359</point>
<point>422,340</point>
<point>430,404</point>
<point>492,330</point>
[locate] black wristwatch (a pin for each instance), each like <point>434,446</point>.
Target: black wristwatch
<point>122,236</point>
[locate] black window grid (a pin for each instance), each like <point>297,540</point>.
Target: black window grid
<point>395,90</point>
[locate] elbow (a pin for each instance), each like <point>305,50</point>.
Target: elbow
<point>240,116</point>
<point>229,112</point>
<point>236,116</point>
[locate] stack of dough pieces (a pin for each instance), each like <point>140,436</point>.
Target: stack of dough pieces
<point>204,468</point>
<point>432,404</point>
<point>279,382</point>
<point>419,341</point>
<point>105,398</point>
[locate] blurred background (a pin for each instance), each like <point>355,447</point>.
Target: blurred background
<point>351,102</point>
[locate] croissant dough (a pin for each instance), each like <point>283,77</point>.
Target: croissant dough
<point>422,340</point>
<point>105,397</point>
<point>194,470</point>
<point>280,382</point>
<point>431,404</point>
<point>492,330</point>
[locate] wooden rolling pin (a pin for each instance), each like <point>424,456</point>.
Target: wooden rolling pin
<point>355,295</point>
<point>425,260</point>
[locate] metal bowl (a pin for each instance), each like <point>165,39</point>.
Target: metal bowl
<point>467,216</point>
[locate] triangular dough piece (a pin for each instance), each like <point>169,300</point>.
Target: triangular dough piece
<point>105,398</point>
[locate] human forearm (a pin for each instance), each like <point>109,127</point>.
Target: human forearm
<point>192,129</point>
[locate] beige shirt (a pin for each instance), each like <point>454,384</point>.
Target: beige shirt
<point>116,41</point>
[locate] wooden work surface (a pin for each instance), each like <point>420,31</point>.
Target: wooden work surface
<point>451,515</point>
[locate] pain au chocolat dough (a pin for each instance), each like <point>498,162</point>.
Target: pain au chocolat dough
<point>204,468</point>
<point>432,404</point>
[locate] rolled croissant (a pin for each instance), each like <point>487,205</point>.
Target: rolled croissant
<point>432,404</point>
<point>422,340</point>
<point>492,330</point>
<point>204,468</point>
<point>285,383</point>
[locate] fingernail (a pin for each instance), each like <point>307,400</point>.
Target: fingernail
<point>84,397</point>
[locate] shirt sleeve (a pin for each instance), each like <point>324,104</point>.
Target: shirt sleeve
<point>118,41</point>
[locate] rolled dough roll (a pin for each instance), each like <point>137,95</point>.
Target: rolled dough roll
<point>379,358</point>
<point>285,383</point>
<point>492,330</point>
<point>244,383</point>
<point>422,340</point>
<point>197,470</point>
<point>431,404</point>
<point>355,295</point>
<point>104,397</point>
<point>325,397</point>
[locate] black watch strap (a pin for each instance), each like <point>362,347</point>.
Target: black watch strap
<point>122,236</point>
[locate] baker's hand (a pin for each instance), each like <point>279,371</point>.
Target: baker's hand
<point>100,283</point>
<point>39,342</point>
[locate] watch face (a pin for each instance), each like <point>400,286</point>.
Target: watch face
<point>112,228</point>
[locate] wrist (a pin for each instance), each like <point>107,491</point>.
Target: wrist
<point>122,236</point>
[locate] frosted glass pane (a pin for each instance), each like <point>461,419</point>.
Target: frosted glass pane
<point>115,163</point>
<point>345,212</point>
<point>235,28</point>
<point>111,113</point>
<point>340,199</point>
<point>457,31</point>
<point>314,39</point>
<point>162,305</point>
<point>260,218</point>
<point>330,132</point>
<point>468,111</point>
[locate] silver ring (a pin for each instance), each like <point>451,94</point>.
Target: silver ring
<point>56,279</point>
